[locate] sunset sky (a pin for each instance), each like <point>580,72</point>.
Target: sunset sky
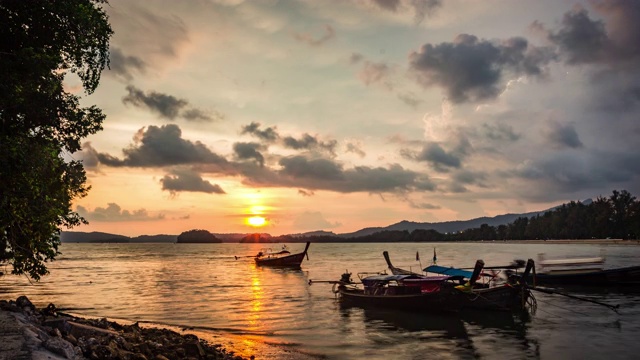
<point>338,115</point>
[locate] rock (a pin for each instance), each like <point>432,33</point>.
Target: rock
<point>72,339</point>
<point>60,347</point>
<point>25,304</point>
<point>194,349</point>
<point>55,332</point>
<point>160,357</point>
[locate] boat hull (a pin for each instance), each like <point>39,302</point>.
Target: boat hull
<point>290,261</point>
<point>502,298</point>
<point>628,276</point>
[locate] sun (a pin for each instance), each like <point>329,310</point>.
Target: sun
<point>257,221</point>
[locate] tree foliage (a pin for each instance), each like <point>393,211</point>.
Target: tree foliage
<point>44,41</point>
<point>615,217</point>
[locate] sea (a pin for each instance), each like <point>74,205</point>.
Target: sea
<point>216,292</point>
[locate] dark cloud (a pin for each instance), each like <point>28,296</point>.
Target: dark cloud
<point>312,174</point>
<point>269,134</point>
<point>164,146</point>
<point>464,177</point>
<point>436,156</point>
<point>563,135</point>
<point>113,212</point>
<point>500,132</point>
<point>473,69</point>
<point>583,40</point>
<point>580,39</point>
<point>569,173</point>
<point>305,192</point>
<point>301,167</point>
<point>308,142</point>
<point>88,156</point>
<point>329,33</point>
<point>249,151</point>
<point>186,180</point>
<point>124,66</point>
<point>167,106</point>
<point>198,115</point>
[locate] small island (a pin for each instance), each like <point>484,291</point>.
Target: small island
<point>197,237</point>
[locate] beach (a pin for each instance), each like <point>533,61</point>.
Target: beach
<point>30,333</point>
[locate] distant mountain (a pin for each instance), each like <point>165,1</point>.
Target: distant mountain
<point>315,233</point>
<point>100,237</point>
<point>450,226</point>
<point>155,239</point>
<point>92,237</point>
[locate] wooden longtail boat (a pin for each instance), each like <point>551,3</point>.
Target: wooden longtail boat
<point>394,270</point>
<point>418,293</point>
<point>282,258</point>
<point>580,272</point>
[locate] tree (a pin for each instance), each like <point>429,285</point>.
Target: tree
<point>43,41</point>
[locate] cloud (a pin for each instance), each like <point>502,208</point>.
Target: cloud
<point>313,220</point>
<point>157,39</point>
<point>573,172</point>
<point>464,177</point>
<point>88,156</point>
<point>410,99</point>
<point>356,149</point>
<point>329,33</point>
<point>113,212</point>
<point>563,135</point>
<point>305,192</point>
<point>167,106</point>
<point>164,146</point>
<point>312,174</point>
<point>470,69</point>
<point>355,58</point>
<point>373,73</point>
<point>582,40</point>
<point>124,66</point>
<point>269,134</point>
<point>308,142</point>
<point>420,8</point>
<point>424,206</point>
<point>436,156</point>
<point>186,180</point>
<point>248,151</point>
<point>500,131</point>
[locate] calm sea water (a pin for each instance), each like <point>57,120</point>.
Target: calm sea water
<point>276,314</point>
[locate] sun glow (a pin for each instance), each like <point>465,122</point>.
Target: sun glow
<point>257,221</point>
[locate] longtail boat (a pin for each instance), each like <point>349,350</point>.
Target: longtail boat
<point>435,293</point>
<point>282,258</point>
<point>584,272</point>
<point>394,270</point>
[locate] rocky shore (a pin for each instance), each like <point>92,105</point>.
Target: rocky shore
<point>30,333</point>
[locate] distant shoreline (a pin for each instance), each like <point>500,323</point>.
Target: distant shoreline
<point>565,241</point>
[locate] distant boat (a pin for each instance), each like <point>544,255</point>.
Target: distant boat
<point>282,258</point>
<point>583,272</point>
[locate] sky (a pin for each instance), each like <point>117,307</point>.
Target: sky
<point>309,115</point>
